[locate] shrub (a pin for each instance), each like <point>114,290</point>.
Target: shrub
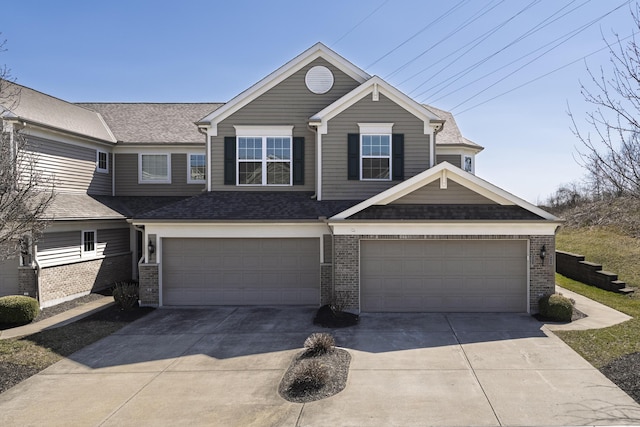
<point>309,375</point>
<point>126,295</point>
<point>18,309</point>
<point>319,343</point>
<point>556,307</point>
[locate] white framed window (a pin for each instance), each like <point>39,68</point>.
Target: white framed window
<point>264,155</point>
<point>375,157</point>
<point>196,168</point>
<point>102,161</point>
<point>467,164</point>
<point>88,243</point>
<point>154,168</point>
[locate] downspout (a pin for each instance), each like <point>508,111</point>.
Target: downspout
<point>313,127</point>
<point>207,154</point>
<point>38,270</point>
<point>333,257</point>
<point>141,230</point>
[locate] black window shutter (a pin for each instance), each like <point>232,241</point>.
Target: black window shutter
<point>298,160</point>
<point>397,156</point>
<point>353,156</point>
<point>229,160</point>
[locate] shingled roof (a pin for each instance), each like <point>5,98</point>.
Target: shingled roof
<point>450,133</point>
<point>446,212</point>
<point>26,104</point>
<point>250,205</point>
<point>154,123</point>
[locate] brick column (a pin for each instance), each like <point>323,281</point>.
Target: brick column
<point>149,286</point>
<point>27,282</point>
<point>542,280</point>
<point>347,270</point>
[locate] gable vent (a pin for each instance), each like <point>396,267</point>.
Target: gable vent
<point>319,79</point>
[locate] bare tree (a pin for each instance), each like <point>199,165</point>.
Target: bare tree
<point>611,147</point>
<point>26,191</point>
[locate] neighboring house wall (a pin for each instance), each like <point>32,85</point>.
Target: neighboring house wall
<point>126,183</point>
<point>288,103</point>
<point>454,159</point>
<point>73,166</point>
<point>453,194</point>
<point>65,247</point>
<point>335,185</point>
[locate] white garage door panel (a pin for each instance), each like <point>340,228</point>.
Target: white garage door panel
<point>9,277</point>
<point>444,275</point>
<point>241,271</point>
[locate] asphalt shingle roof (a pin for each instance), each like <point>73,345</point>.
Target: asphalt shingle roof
<point>446,212</point>
<point>250,205</point>
<point>159,123</point>
<point>450,133</point>
<point>68,206</point>
<point>33,106</point>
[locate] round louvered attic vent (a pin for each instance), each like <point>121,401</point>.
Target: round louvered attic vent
<point>319,79</point>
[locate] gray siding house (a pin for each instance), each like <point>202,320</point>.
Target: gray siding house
<point>318,183</point>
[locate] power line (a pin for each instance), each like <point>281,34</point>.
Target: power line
<point>455,77</point>
<point>358,24</point>
<point>575,33</point>
<point>543,75</point>
<point>423,29</point>
<point>465,24</point>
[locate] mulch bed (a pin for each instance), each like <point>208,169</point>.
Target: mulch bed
<point>577,315</point>
<point>625,373</point>
<point>328,318</point>
<point>336,361</point>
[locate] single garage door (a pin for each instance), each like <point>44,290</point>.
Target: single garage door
<point>241,271</point>
<point>443,275</point>
<point>9,277</point>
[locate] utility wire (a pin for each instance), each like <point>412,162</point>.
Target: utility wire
<point>455,77</point>
<point>575,33</point>
<point>423,29</point>
<point>465,24</point>
<point>543,75</point>
<point>359,23</point>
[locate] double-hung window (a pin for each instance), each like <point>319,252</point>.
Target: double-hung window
<point>102,161</point>
<point>154,169</point>
<point>376,157</point>
<point>88,243</point>
<point>264,155</point>
<point>196,169</point>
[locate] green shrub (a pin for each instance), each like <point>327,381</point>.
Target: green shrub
<point>309,375</point>
<point>319,343</point>
<point>126,295</point>
<point>18,309</point>
<point>556,307</point>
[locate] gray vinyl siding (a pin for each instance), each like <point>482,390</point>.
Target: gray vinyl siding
<point>335,185</point>
<point>456,194</point>
<point>126,168</point>
<point>454,159</point>
<point>73,167</point>
<point>288,103</point>
<point>65,247</point>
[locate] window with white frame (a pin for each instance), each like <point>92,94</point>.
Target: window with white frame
<point>467,163</point>
<point>88,243</point>
<point>102,161</point>
<point>375,157</point>
<point>154,168</point>
<point>196,169</point>
<point>264,155</point>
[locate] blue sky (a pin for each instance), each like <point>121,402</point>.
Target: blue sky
<point>438,52</point>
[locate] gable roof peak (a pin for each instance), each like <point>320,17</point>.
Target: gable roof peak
<point>318,50</point>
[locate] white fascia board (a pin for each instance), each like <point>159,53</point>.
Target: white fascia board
<point>160,149</point>
<point>366,88</point>
<point>447,171</point>
<point>318,50</point>
<point>235,230</point>
<point>267,130</point>
<point>457,149</point>
<point>439,228</point>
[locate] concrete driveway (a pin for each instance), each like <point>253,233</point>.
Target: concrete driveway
<point>222,366</point>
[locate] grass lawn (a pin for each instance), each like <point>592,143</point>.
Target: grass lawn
<point>616,252</point>
<point>602,346</point>
<point>21,358</point>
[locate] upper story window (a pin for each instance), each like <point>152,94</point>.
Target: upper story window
<point>375,157</point>
<point>264,155</point>
<point>196,169</point>
<point>467,163</point>
<point>102,161</point>
<point>88,244</point>
<point>154,169</point>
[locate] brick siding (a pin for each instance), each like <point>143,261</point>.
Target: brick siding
<point>149,285</point>
<point>64,282</point>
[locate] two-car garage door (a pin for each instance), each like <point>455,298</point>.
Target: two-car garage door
<point>443,275</point>
<point>241,271</point>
